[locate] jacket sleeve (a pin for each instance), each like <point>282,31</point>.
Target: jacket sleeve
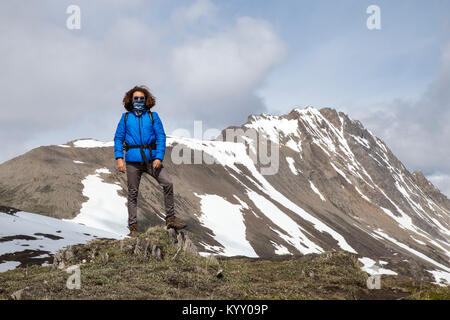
<point>119,138</point>
<point>160,137</point>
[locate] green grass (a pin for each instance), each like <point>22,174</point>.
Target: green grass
<point>332,275</point>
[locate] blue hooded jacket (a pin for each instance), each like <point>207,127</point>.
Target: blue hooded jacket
<point>132,136</point>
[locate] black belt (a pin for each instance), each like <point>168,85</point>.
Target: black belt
<point>151,146</point>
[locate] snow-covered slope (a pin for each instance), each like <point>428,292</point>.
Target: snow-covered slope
<point>105,209</point>
<point>26,237</point>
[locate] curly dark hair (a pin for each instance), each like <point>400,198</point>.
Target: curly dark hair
<point>150,100</point>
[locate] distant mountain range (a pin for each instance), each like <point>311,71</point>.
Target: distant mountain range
<point>337,187</point>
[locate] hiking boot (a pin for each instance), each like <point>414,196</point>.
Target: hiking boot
<point>134,232</point>
<point>175,223</point>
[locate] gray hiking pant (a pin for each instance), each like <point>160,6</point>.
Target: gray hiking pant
<point>134,173</point>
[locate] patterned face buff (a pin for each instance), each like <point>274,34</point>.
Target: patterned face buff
<point>138,105</point>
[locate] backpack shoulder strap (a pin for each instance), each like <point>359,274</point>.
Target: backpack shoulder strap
<point>151,116</point>
<point>125,120</point>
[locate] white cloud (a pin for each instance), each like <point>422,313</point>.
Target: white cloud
<point>442,182</point>
<point>418,132</point>
<point>227,63</point>
<point>197,10</point>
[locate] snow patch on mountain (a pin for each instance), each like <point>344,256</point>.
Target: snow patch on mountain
<point>362,194</point>
<point>296,146</point>
<point>91,143</point>
<point>374,268</point>
<point>415,252</point>
<point>280,249</point>
<point>226,221</point>
<point>105,209</point>
<point>361,141</point>
<point>291,162</point>
<point>441,278</point>
<point>340,172</point>
<point>314,188</point>
<point>273,126</point>
<point>291,232</point>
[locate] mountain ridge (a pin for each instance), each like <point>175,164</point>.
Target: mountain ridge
<point>338,187</point>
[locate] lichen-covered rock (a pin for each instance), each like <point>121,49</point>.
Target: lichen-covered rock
<point>105,258</point>
<point>172,234</point>
<point>147,246</point>
<point>180,239</point>
<point>137,249</point>
<point>189,246</point>
<point>212,260</point>
<point>185,243</point>
<point>156,251</point>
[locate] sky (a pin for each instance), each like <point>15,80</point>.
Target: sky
<point>220,61</point>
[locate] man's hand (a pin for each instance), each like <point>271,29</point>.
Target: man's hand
<point>121,165</point>
<point>156,164</point>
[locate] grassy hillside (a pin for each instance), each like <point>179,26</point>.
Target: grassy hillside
<point>125,270</point>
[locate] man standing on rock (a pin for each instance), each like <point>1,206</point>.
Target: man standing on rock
<point>141,133</point>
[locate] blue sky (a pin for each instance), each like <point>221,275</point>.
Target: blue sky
<point>336,61</point>
<point>219,61</point>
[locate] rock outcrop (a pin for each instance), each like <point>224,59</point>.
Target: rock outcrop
<point>149,245</point>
